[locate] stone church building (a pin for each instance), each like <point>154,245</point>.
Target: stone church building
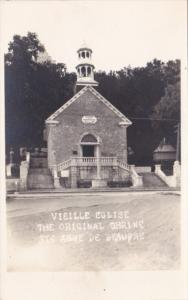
<point>86,145</point>
<point>87,136</point>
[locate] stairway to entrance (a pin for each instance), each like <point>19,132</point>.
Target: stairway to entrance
<point>39,176</point>
<point>152,180</point>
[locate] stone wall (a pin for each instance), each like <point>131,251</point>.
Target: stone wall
<point>144,169</point>
<point>65,137</point>
<point>24,167</point>
<point>171,181</point>
<point>157,156</point>
<point>108,173</point>
<point>137,180</point>
<point>12,184</point>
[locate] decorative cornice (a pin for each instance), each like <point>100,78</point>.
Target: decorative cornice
<point>84,48</point>
<point>88,83</point>
<point>85,64</point>
<point>122,124</point>
<point>52,122</point>
<point>68,103</point>
<point>125,121</point>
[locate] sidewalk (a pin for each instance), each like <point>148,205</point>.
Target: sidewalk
<point>59,192</point>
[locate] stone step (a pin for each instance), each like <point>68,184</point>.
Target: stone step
<point>39,154</point>
<point>40,178</point>
<point>40,182</point>
<point>152,180</point>
<point>38,162</point>
<point>44,171</point>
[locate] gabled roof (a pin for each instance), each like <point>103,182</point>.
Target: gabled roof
<point>125,121</point>
<point>165,148</point>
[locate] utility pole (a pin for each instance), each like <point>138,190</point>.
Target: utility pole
<point>178,142</point>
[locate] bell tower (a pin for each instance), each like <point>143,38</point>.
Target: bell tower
<point>85,67</point>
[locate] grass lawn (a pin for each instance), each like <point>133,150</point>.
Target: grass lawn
<point>98,232</point>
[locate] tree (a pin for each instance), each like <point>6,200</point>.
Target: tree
<point>24,51</point>
<point>168,108</point>
<point>149,96</point>
<point>33,90</point>
<point>136,92</point>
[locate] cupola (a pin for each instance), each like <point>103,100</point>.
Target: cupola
<point>85,67</point>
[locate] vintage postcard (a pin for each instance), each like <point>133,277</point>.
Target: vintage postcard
<point>93,128</point>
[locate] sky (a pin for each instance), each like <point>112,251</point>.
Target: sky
<point>120,33</point>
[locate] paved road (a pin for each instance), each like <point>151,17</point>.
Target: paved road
<point>22,204</point>
<point>98,231</point>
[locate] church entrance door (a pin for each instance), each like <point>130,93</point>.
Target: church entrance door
<point>89,145</point>
<point>88,150</point>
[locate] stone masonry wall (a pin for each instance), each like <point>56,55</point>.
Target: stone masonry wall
<point>65,137</point>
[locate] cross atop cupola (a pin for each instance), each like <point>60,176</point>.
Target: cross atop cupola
<point>85,67</point>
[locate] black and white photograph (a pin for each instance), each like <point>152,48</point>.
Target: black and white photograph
<point>93,136</point>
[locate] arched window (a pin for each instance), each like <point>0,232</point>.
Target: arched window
<point>83,70</point>
<point>87,54</point>
<point>83,54</point>
<point>89,138</point>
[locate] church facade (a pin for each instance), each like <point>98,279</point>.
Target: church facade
<point>87,136</point>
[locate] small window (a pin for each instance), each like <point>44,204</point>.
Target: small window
<point>83,54</point>
<point>87,54</point>
<point>74,152</point>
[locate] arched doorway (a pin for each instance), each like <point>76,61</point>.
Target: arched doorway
<point>89,145</point>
